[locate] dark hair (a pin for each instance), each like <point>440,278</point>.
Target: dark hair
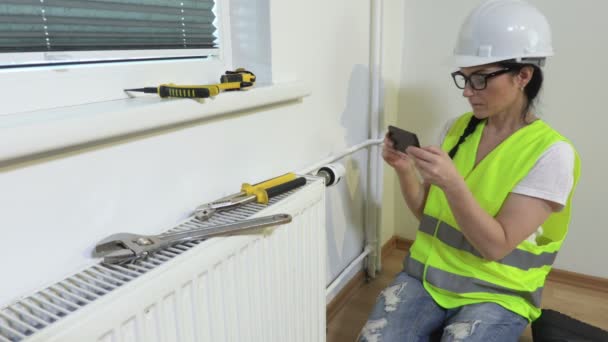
<point>531,90</point>
<point>473,122</point>
<point>533,87</point>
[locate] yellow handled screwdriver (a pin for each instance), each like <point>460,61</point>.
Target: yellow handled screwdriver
<point>261,196</point>
<point>248,189</point>
<point>231,80</point>
<point>259,193</point>
<point>184,91</point>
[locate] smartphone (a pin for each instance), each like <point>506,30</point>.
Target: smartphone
<point>402,138</point>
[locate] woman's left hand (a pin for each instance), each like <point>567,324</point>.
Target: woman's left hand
<point>435,166</point>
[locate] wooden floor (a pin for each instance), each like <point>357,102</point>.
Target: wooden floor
<point>583,304</point>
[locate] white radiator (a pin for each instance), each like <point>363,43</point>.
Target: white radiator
<point>241,288</point>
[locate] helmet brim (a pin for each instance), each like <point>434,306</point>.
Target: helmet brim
<point>460,61</point>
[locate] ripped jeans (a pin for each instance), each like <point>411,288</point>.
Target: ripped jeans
<point>405,312</point>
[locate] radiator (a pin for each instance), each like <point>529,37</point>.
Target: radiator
<point>265,287</point>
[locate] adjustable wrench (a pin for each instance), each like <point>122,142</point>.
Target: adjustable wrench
<point>126,247</point>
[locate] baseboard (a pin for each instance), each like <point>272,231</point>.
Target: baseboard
<point>559,276</point>
<point>579,280</point>
<point>394,243</point>
<point>404,244</point>
<point>389,246</point>
<point>344,295</point>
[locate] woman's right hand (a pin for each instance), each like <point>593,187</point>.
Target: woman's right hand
<point>400,161</point>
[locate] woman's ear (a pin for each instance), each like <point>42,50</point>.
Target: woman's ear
<point>525,76</point>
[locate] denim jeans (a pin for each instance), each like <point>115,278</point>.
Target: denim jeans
<point>405,312</point>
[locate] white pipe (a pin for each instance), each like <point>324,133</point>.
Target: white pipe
<point>368,248</point>
<point>340,278</point>
<point>375,166</point>
<point>341,155</point>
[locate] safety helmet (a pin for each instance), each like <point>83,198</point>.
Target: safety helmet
<point>499,30</point>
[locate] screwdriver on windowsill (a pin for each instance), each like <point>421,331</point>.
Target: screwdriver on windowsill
<point>231,80</point>
<point>185,91</point>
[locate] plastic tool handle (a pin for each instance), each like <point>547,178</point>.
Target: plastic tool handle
<point>249,189</point>
<point>238,76</point>
<point>231,78</point>
<point>234,85</point>
<point>283,188</point>
<point>185,92</point>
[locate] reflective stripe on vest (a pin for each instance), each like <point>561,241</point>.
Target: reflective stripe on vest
<point>454,238</point>
<point>460,284</point>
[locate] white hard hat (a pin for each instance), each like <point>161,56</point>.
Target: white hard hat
<point>499,30</point>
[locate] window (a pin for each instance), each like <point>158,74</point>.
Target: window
<point>32,31</point>
<point>68,52</point>
<point>54,101</point>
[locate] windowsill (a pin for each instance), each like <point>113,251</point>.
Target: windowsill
<point>32,133</point>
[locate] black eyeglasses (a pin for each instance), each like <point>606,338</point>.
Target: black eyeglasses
<point>477,81</point>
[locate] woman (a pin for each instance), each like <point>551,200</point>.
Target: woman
<point>494,201</point>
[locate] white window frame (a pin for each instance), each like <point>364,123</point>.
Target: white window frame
<point>35,88</point>
<point>31,59</point>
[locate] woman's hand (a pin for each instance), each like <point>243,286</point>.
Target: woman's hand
<point>400,161</point>
<point>435,166</point>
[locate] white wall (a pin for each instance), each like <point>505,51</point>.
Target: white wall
<point>392,45</point>
<point>55,209</point>
<point>572,102</point>
<point>332,47</point>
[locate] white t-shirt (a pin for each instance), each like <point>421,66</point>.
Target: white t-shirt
<point>551,178</point>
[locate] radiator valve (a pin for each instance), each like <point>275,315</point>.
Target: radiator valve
<point>332,173</point>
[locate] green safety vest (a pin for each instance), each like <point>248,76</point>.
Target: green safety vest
<point>450,268</point>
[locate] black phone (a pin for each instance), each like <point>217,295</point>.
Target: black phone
<point>402,138</point>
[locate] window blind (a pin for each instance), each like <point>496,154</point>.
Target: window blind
<point>106,25</point>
